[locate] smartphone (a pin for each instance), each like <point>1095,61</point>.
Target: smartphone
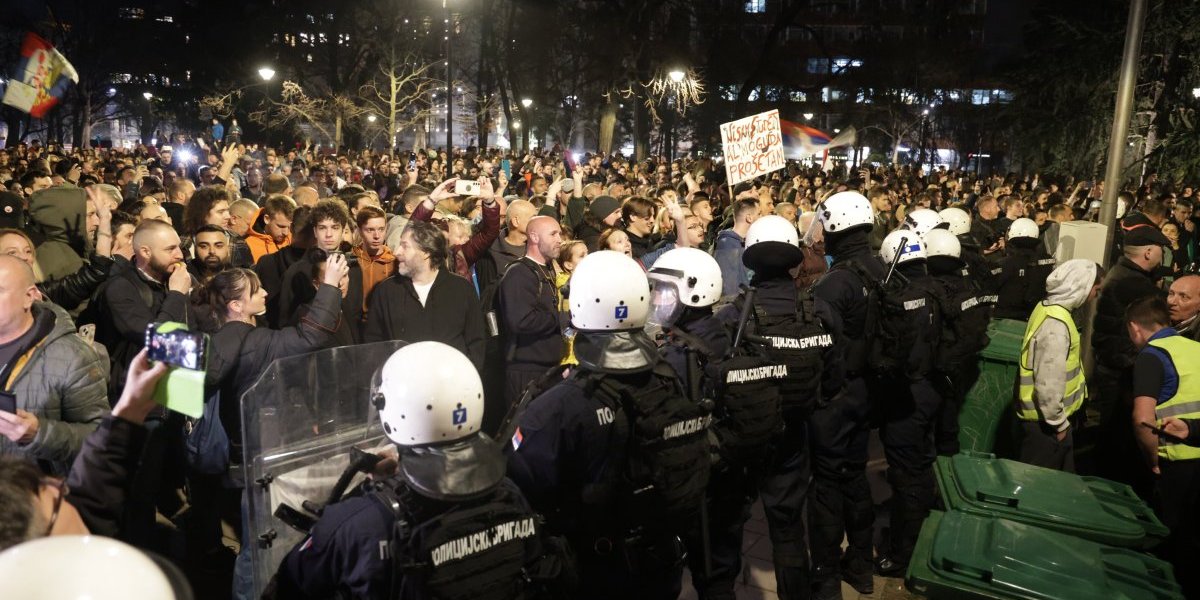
<point>412,162</point>
<point>8,402</point>
<point>181,348</point>
<point>464,187</point>
<point>569,161</point>
<point>1161,432</point>
<point>506,166</point>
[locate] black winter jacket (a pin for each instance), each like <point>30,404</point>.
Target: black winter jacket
<point>1123,284</point>
<point>102,472</point>
<point>451,314</point>
<point>73,289</point>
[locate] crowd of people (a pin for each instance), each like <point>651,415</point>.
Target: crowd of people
<point>669,349</point>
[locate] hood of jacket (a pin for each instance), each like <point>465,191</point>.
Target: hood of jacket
<point>1070,284</point>
<point>258,227</point>
<point>60,212</point>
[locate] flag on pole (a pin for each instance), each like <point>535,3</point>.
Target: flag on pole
<point>41,77</point>
<point>800,141</point>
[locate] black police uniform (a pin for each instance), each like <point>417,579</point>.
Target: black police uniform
<point>840,502</point>
<point>966,311</point>
<point>784,483</point>
<point>1021,278</point>
<point>909,419</point>
<point>979,268</point>
<point>563,445</point>
<point>731,489</point>
<point>347,551</point>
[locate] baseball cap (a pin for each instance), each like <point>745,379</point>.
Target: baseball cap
<point>12,211</point>
<point>1141,231</point>
<point>568,185</point>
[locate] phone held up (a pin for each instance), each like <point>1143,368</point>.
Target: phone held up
<point>180,348</point>
<point>464,187</point>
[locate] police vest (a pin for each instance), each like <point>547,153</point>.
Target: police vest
<point>966,311</point>
<point>1076,388</point>
<point>1185,404</point>
<point>796,342</point>
<point>478,550</point>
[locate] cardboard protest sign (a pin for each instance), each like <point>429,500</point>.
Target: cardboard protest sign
<point>753,147</point>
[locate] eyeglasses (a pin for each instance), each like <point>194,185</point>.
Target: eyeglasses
<point>63,490</point>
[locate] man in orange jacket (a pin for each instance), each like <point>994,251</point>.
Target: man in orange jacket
<point>270,228</point>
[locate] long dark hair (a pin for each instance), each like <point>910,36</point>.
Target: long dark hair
<point>224,287</point>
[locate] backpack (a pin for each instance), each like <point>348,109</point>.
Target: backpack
<point>660,475</point>
<point>206,444</point>
<point>966,311</point>
<point>796,341</point>
<point>890,330</point>
<point>488,549</point>
<point>745,387</point>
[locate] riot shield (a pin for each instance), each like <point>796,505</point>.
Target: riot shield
<point>301,420</point>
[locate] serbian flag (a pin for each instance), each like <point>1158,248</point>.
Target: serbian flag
<point>41,77</point>
<point>800,141</point>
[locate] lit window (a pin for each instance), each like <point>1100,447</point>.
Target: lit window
<point>131,13</point>
<point>797,96</point>
<point>166,19</point>
<point>818,65</point>
<point>309,58</point>
<point>981,96</point>
<point>728,92</point>
<point>756,6</point>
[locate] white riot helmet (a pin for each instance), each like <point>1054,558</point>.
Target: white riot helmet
<point>81,566</point>
<point>844,211</point>
<point>681,278</point>
<point>904,242</point>
<point>1023,228</point>
<point>609,292</point>
<point>1122,207</point>
<point>923,221</point>
<point>428,393</point>
<point>941,242</point>
<point>772,242</point>
<point>957,219</point>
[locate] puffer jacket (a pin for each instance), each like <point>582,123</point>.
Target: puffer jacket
<point>62,381</point>
<point>70,291</point>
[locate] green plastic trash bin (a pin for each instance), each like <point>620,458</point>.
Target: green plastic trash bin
<point>990,400</point>
<point>960,555</point>
<point>1088,507</point>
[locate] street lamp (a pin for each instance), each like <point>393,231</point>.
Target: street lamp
<point>526,102</point>
<point>516,124</point>
<point>677,75</point>
<point>807,116</point>
<point>371,118</point>
<point>147,95</point>
<point>1196,92</point>
<point>267,73</point>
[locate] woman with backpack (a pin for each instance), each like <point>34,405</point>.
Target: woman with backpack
<point>238,353</point>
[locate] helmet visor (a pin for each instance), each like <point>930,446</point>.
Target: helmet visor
<point>816,229</point>
<point>665,306</point>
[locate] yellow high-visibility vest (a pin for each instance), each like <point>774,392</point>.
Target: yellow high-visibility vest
<point>1185,404</point>
<point>1076,388</point>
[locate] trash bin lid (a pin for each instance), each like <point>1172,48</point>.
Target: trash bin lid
<point>960,555</point>
<point>1089,507</point>
<point>1005,337</point>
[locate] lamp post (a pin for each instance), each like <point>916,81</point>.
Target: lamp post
<point>266,73</point>
<point>449,81</point>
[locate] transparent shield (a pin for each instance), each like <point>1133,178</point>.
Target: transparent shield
<point>300,420</point>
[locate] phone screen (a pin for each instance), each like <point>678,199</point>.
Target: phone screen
<point>8,402</point>
<point>187,349</point>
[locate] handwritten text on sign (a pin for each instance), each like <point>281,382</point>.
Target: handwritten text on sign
<point>753,146</point>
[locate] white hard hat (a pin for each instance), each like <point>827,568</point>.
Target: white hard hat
<point>912,249</point>
<point>81,566</point>
<point>683,277</point>
<point>609,292</point>
<point>957,219</point>
<point>1023,228</point>
<point>923,221</point>
<point>844,211</point>
<point>428,393</point>
<point>941,242</point>
<point>772,241</point>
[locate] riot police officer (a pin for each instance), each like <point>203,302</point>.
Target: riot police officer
<point>965,315</point>
<point>1021,276</point>
<point>978,268</point>
<point>840,502</point>
<point>685,284</point>
<point>447,524</point>
<point>615,456</point>
<point>906,344</point>
<point>799,332</point>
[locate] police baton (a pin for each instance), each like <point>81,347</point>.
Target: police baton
<point>895,260</point>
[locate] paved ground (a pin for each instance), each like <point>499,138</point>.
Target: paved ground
<point>758,572</point>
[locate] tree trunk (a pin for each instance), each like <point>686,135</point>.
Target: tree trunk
<point>641,128</point>
<point>608,126</point>
<point>337,131</point>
